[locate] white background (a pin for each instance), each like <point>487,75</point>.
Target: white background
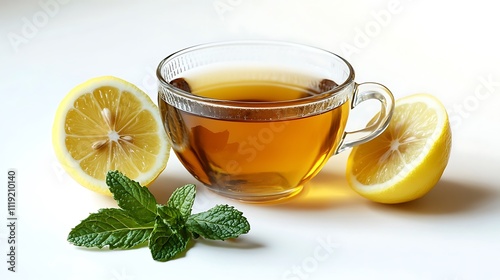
<point>446,48</point>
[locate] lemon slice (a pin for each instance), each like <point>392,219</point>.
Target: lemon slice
<point>408,158</point>
<point>109,124</point>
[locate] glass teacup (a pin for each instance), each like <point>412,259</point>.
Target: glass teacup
<point>256,120</point>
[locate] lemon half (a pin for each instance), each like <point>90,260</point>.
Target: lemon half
<point>407,160</point>
<point>107,124</point>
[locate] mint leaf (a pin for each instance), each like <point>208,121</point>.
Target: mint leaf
<point>166,241</point>
<point>138,201</point>
<point>219,223</point>
<point>183,199</point>
<point>110,227</point>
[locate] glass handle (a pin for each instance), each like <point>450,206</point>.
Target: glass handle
<point>363,92</point>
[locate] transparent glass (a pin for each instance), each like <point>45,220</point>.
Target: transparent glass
<point>263,148</point>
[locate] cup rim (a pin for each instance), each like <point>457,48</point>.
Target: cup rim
<point>248,104</point>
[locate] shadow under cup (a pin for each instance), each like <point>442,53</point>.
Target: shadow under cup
<point>256,120</point>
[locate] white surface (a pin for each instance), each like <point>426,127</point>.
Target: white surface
<point>447,48</point>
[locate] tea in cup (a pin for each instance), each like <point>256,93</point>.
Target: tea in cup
<point>255,120</point>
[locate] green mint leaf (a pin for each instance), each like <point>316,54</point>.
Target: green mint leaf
<point>219,223</point>
<point>166,241</point>
<point>182,199</point>
<point>137,200</point>
<point>110,227</point>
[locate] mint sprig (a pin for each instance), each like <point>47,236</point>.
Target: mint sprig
<point>167,228</point>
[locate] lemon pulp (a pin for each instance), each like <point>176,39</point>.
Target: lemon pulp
<point>109,124</point>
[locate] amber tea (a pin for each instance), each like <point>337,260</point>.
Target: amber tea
<point>254,153</point>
